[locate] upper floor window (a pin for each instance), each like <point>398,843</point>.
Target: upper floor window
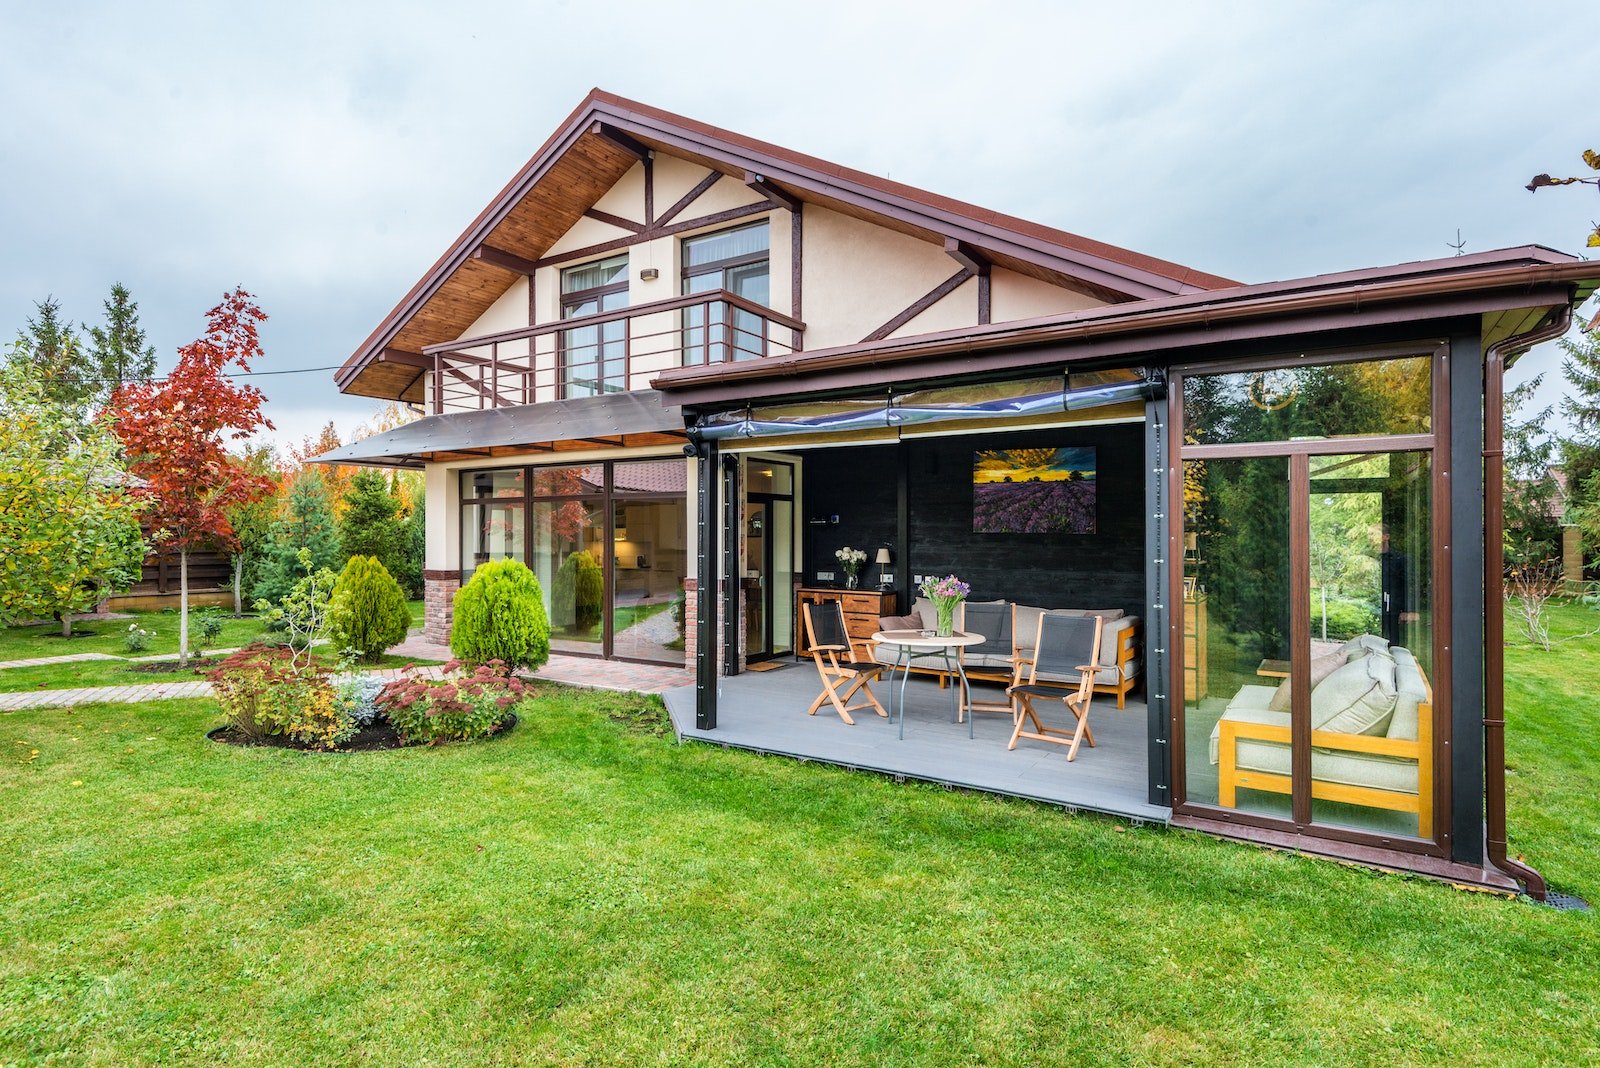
<point>594,359</point>
<point>739,261</point>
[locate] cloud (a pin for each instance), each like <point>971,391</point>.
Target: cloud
<point>324,155</point>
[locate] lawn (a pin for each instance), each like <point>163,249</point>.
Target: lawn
<point>582,891</point>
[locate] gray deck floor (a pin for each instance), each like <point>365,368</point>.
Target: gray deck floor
<point>766,712</point>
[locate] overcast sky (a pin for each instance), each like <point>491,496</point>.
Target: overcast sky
<point>323,156</point>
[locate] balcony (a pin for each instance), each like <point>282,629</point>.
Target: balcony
<point>609,352</point>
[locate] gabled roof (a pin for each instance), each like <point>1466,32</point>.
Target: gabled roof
<point>598,144</point>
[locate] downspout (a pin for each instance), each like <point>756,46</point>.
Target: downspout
<point>1494,651</point>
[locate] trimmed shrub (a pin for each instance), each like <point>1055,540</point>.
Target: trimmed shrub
<point>499,615</point>
<point>451,710</point>
<point>207,627</point>
<point>264,693</point>
<point>1346,619</point>
<point>578,592</point>
<point>368,612</point>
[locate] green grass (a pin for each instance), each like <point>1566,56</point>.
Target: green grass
<point>108,636</point>
<point>584,892</point>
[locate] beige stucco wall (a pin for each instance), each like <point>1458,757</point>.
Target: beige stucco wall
<point>856,276</point>
<point>1016,296</point>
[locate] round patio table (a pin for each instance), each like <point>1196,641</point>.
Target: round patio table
<point>912,645</point>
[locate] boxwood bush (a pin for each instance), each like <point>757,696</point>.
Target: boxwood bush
<point>368,612</point>
<point>499,615</point>
<point>578,591</point>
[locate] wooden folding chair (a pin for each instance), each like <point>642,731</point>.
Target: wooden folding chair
<point>1065,654</point>
<point>841,679</point>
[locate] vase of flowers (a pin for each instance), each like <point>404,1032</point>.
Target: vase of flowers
<point>852,560</point>
<point>945,593</point>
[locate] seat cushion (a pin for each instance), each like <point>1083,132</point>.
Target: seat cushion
<point>1111,630</point>
<point>1357,698</point>
<point>985,662</point>
<point>1364,641</point>
<point>1396,774</point>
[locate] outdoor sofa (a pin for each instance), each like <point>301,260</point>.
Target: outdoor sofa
<point>1371,732</point>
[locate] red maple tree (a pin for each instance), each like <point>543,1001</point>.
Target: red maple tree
<point>176,433</point>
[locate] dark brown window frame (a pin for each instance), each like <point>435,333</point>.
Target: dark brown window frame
<point>721,267</point>
<point>581,296</point>
<point>1437,445</point>
<point>606,497</point>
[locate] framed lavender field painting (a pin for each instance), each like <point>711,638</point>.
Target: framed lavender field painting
<point>1034,491</point>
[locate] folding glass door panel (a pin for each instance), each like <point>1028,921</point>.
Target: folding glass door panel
<point>1237,626</point>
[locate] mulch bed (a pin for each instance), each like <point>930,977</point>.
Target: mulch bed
<point>170,667</point>
<point>368,739</point>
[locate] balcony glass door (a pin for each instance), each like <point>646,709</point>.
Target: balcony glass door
<point>738,261</point>
<point>594,359</point>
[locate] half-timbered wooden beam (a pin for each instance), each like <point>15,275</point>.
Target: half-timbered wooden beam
<point>407,359</point>
<point>614,220</point>
<point>688,198</point>
<point>499,257</point>
<point>921,304</point>
<point>727,215</point>
<point>976,262</point>
<point>620,140</point>
<point>778,196</point>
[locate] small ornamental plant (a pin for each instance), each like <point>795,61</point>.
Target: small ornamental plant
<point>368,612</point>
<point>207,630</point>
<point>945,593</point>
<point>500,615</point>
<point>458,708</point>
<point>137,639</point>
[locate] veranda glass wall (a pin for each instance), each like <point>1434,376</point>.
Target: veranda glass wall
<point>1308,574</point>
<point>607,541</point>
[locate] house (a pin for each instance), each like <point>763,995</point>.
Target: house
<point>675,369</point>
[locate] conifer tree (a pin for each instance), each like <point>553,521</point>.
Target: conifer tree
<point>370,525</point>
<point>368,613</point>
<point>50,351</point>
<point>306,523</point>
<point>1580,454</point>
<point>119,352</point>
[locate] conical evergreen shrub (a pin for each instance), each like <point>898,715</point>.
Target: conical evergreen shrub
<point>499,615</point>
<point>577,592</point>
<point>368,612</point>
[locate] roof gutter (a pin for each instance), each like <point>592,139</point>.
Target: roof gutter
<point>1494,607</point>
<point>1206,313</point>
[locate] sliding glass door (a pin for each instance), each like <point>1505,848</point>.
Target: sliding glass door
<point>1308,570</point>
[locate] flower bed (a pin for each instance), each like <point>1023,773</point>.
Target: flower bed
<point>271,697</point>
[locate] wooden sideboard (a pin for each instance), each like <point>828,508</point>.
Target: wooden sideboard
<point>1196,642</point>
<point>861,611</point>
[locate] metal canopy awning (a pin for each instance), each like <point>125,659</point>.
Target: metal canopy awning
<point>887,415</point>
<point>589,420</point>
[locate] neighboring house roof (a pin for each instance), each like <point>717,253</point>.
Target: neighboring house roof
<point>600,142</point>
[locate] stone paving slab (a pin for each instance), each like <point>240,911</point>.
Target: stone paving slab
<point>67,658</point>
<point>153,691</point>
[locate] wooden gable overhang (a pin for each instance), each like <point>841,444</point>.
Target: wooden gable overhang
<point>607,135</point>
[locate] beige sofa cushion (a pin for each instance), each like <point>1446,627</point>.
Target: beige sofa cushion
<point>1357,698</point>
<point>1321,668</point>
<point>1369,642</point>
<point>1411,689</point>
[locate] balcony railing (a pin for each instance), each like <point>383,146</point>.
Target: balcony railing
<point>608,352</point>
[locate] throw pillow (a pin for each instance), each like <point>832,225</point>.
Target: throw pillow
<point>1355,699</point>
<point>1321,668</point>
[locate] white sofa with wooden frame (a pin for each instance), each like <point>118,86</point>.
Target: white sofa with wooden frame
<point>1374,752</point>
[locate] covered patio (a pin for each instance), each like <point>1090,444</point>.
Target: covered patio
<point>765,712</point>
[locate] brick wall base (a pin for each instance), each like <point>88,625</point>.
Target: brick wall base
<point>438,604</point>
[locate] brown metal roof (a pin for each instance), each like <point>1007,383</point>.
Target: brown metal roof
<point>1516,286</point>
<point>576,166</point>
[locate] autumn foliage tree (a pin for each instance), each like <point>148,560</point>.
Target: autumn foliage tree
<point>176,434</point>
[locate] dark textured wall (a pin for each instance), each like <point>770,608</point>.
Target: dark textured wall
<point>1100,570</point>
